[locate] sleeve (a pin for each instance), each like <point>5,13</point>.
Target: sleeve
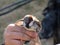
<point>49,21</point>
<point>48,25</point>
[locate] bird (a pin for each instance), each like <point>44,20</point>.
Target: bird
<point>31,23</point>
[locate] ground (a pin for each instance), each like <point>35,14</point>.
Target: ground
<point>34,8</point>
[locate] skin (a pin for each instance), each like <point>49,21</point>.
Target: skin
<point>14,35</point>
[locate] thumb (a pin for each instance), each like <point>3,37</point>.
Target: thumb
<point>32,34</point>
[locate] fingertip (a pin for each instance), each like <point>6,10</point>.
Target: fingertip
<point>10,26</point>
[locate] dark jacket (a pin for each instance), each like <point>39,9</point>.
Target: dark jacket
<point>51,22</point>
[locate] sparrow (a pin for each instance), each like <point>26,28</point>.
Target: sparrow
<point>31,23</point>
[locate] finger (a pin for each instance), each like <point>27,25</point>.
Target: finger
<point>16,35</point>
<point>12,28</point>
<point>23,30</point>
<point>32,34</point>
<point>13,42</point>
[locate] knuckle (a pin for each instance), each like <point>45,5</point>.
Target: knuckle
<point>11,25</point>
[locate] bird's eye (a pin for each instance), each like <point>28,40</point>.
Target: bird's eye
<point>28,20</point>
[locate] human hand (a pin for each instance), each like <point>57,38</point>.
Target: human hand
<point>14,35</point>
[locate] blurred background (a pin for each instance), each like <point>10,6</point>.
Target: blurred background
<point>35,7</point>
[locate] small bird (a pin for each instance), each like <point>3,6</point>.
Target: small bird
<point>31,23</point>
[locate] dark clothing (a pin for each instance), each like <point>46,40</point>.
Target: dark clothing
<point>48,25</point>
<point>51,22</point>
